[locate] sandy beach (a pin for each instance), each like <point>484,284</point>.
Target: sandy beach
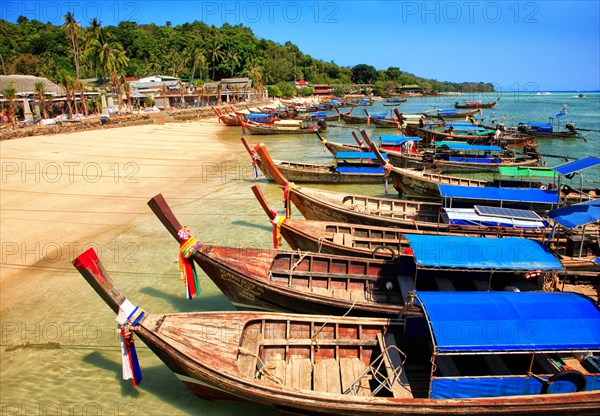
<point>64,193</point>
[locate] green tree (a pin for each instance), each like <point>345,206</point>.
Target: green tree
<point>215,53</point>
<point>10,94</point>
<point>364,74</point>
<point>110,54</point>
<point>273,91</point>
<point>40,90</point>
<point>73,29</point>
<point>233,58</point>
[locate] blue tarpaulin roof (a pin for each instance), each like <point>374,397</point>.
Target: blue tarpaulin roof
<point>358,155</point>
<point>481,253</point>
<point>511,321</point>
<point>397,140</point>
<point>577,165</point>
<point>528,195</point>
<point>467,146</point>
<point>577,215</point>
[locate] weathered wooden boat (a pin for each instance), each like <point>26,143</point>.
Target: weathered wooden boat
<point>371,241</point>
<point>396,100</point>
<point>476,135</point>
<point>476,104</point>
<point>320,115</point>
<point>349,118</point>
<point>382,122</point>
<point>335,147</point>
<point>305,282</point>
<point>250,128</point>
<point>315,204</point>
<point>227,119</point>
<point>349,167</point>
<point>341,365</point>
<point>449,113</point>
<point>362,102</point>
<point>450,157</point>
<point>546,130</point>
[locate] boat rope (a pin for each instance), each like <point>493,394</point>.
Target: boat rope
<point>264,370</point>
<point>254,156</point>
<point>277,221</point>
<point>538,378</point>
<point>387,169</point>
<point>328,320</point>
<point>302,256</point>
<point>286,199</point>
<point>188,247</point>
<point>320,241</point>
<point>324,141</point>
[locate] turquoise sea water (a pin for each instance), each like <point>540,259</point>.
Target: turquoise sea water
<point>60,354</point>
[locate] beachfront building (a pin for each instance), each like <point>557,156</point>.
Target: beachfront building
<point>322,89</point>
<point>27,101</point>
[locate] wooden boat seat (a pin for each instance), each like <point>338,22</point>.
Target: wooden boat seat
<point>397,381</point>
<point>343,239</point>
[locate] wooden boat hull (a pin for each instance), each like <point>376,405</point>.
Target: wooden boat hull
<point>476,106</point>
<point>217,355</point>
<point>431,136</point>
<point>258,130</point>
<point>458,114</point>
<point>312,173</point>
<point>447,166</point>
<point>422,183</point>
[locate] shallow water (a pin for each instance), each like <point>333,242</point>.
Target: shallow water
<point>60,353</point>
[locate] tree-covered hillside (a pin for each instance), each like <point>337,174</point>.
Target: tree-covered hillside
<point>192,50</point>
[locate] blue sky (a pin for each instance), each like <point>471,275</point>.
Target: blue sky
<point>517,45</point>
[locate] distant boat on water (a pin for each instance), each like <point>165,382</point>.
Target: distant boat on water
<point>544,93</point>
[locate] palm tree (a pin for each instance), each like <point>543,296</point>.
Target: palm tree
<point>73,28</point>
<point>79,87</point>
<point>91,34</point>
<point>110,54</point>
<point>234,58</point>
<point>66,81</point>
<point>40,89</point>
<point>10,94</point>
<point>198,59</point>
<point>127,91</point>
<point>215,53</point>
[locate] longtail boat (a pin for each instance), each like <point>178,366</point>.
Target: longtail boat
<point>358,240</point>
<point>227,119</point>
<point>382,122</point>
<point>349,167</point>
<point>335,147</point>
<point>426,182</point>
<point>444,114</point>
<point>453,156</point>
<point>349,118</point>
<point>304,282</point>
<point>476,104</point>
<point>365,366</point>
<point>477,135</point>
<point>315,204</point>
<point>250,128</point>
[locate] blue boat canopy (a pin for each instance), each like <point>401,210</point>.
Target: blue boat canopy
<point>511,321</point>
<point>525,195</point>
<point>457,252</point>
<point>577,165</point>
<point>358,155</point>
<point>397,140</point>
<point>577,215</point>
<point>467,146</point>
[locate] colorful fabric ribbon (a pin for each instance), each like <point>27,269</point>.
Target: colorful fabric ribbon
<point>129,358</point>
<point>187,248</point>
<point>277,221</point>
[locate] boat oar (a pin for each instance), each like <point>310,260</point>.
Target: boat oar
<point>582,129</point>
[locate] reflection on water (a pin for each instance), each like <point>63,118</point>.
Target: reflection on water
<point>59,345</point>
